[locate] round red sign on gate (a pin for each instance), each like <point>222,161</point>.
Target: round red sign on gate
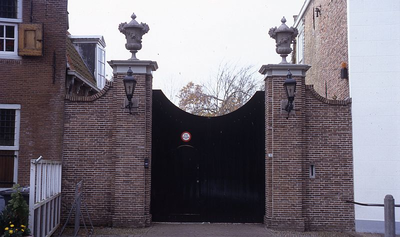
<point>186,136</point>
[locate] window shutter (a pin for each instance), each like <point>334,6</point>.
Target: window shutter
<point>30,40</point>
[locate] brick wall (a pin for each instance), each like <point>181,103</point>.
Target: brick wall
<point>37,84</point>
<point>89,153</point>
<point>132,147</point>
<point>325,47</point>
<point>106,146</point>
<point>317,133</point>
<point>284,156</point>
<point>328,138</point>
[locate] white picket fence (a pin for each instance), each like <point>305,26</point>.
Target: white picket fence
<point>44,197</point>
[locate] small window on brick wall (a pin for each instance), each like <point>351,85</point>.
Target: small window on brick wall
<point>8,8</point>
<point>9,144</point>
<point>26,39</point>
<point>7,127</point>
<point>8,38</point>
<point>10,16</point>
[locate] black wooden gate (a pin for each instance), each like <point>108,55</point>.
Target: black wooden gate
<point>215,171</point>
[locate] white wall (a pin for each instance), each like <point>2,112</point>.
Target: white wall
<point>374,64</point>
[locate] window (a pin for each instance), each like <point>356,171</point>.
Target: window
<point>9,144</point>
<point>300,44</point>
<point>10,16</point>
<point>8,39</point>
<point>7,127</point>
<point>8,8</point>
<point>101,68</point>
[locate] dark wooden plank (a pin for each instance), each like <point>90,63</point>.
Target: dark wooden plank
<point>6,169</point>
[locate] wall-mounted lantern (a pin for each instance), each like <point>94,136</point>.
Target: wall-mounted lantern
<point>130,85</point>
<point>318,11</point>
<point>344,72</point>
<point>290,88</point>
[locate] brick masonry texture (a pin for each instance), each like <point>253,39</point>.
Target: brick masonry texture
<point>326,47</point>
<point>284,176</point>
<point>319,134</point>
<point>106,146</point>
<point>328,139</point>
<point>37,84</point>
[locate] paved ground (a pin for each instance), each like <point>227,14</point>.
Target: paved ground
<point>213,230</point>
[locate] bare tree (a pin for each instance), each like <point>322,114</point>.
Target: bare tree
<point>229,90</point>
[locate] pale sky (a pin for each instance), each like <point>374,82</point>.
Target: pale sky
<point>188,39</point>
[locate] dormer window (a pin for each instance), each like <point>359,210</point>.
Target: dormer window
<point>91,49</point>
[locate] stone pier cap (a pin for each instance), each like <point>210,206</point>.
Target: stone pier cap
<point>297,70</point>
<point>137,66</point>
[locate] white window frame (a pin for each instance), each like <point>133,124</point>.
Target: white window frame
<point>100,74</point>
<point>14,148</point>
<point>17,109</point>
<point>11,54</point>
<point>12,22</point>
<point>300,43</point>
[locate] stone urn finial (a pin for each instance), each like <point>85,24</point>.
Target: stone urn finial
<point>283,36</point>
<point>133,32</point>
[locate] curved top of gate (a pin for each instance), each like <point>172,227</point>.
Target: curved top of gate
<point>160,99</point>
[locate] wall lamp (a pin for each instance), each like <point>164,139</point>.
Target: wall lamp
<point>344,72</point>
<point>318,11</point>
<point>130,85</point>
<point>290,88</point>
